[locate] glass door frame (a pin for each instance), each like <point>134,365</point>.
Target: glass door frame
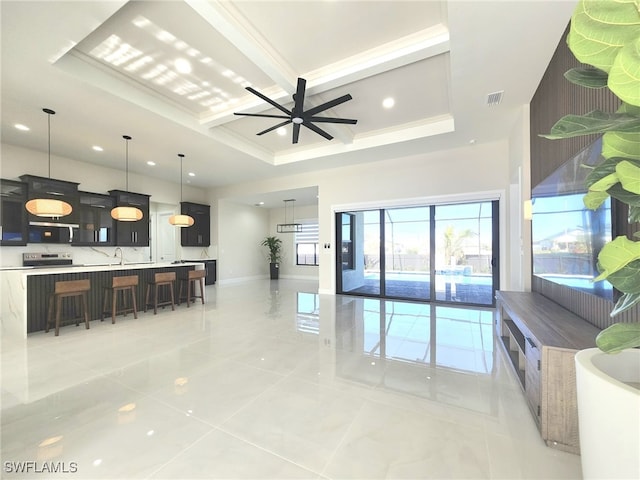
<point>495,252</point>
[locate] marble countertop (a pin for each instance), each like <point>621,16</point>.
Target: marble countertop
<point>95,267</point>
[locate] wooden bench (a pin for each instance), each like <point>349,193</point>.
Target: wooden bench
<point>541,339</point>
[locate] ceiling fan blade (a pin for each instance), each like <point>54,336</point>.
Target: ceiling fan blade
<point>319,131</point>
<point>260,115</point>
<point>296,132</point>
<point>274,127</point>
<point>331,120</point>
<point>298,107</point>
<point>268,100</point>
<point>325,106</point>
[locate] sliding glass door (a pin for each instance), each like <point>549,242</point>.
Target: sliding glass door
<point>407,257</point>
<point>446,253</point>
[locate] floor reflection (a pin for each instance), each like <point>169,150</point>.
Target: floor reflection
<point>272,380</point>
<point>442,353</point>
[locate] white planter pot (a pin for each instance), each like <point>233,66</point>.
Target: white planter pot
<point>609,413</point>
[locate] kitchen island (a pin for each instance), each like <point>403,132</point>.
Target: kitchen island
<point>25,290</point>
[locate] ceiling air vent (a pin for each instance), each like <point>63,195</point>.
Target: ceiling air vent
<point>494,98</point>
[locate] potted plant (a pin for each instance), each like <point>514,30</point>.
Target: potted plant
<point>605,35</point>
<point>274,244</point>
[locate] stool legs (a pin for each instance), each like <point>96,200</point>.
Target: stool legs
<point>191,290</point>
<point>122,292</point>
<point>55,310</point>
<point>156,289</point>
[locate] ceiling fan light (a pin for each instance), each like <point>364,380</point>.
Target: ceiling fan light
<point>181,220</point>
<point>48,207</point>
<point>126,214</point>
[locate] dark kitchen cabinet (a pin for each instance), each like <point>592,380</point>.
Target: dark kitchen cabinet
<point>13,214</point>
<point>132,234</point>
<point>43,187</point>
<point>199,234</point>
<point>96,227</point>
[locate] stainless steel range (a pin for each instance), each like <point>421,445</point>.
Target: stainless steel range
<point>46,259</point>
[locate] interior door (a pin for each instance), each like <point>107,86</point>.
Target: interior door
<point>166,238</point>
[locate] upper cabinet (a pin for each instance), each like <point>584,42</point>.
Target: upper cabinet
<point>199,234</point>
<point>43,187</point>
<point>132,234</point>
<point>96,227</point>
<point>13,214</point>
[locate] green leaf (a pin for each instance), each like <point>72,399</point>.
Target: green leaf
<point>618,337</point>
<point>621,144</point>
<point>605,183</point>
<point>634,215</point>
<point>623,195</point>
<point>616,254</point>
<point>600,28</point>
<point>629,176</point>
<point>593,200</point>
<point>627,279</point>
<point>601,170</point>
<point>595,121</point>
<point>587,77</point>
<point>624,79</point>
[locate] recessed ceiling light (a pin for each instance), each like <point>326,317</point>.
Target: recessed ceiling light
<point>22,127</point>
<point>191,174</point>
<point>98,148</point>
<point>183,65</point>
<point>151,163</point>
<point>388,102</point>
<point>282,131</point>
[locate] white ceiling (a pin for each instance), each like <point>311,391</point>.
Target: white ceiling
<point>108,69</point>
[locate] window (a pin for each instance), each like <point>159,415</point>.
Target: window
<point>307,244</point>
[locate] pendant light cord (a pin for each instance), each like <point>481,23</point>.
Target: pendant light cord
<point>181,155</point>
<point>49,112</point>
<point>49,141</point>
<point>127,138</point>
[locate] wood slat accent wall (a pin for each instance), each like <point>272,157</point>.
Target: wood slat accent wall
<point>39,287</point>
<point>554,98</point>
<point>594,310</point>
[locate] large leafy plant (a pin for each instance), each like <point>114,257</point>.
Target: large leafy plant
<point>274,244</point>
<point>605,35</point>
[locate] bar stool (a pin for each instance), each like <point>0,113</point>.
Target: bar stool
<point>122,286</point>
<point>190,281</point>
<point>163,279</point>
<point>68,289</point>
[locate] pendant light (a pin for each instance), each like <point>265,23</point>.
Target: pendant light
<point>292,226</point>
<point>126,214</point>
<point>48,207</point>
<point>181,220</point>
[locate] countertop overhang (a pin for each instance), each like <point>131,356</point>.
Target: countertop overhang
<point>95,267</point>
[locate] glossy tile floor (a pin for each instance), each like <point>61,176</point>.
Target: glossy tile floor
<point>269,380</point>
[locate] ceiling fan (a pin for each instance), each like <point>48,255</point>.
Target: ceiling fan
<point>298,116</point>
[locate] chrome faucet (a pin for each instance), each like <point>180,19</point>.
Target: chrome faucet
<point>121,255</point>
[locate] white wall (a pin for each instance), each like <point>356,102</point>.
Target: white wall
<point>520,190</point>
<point>240,230</point>
<point>463,172</point>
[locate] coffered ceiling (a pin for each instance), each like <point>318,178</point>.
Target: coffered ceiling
<point>172,74</point>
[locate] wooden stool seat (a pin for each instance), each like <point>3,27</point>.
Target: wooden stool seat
<point>162,279</point>
<point>190,281</point>
<point>122,286</point>
<point>68,289</point>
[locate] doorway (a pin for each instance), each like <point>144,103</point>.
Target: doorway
<point>443,253</point>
